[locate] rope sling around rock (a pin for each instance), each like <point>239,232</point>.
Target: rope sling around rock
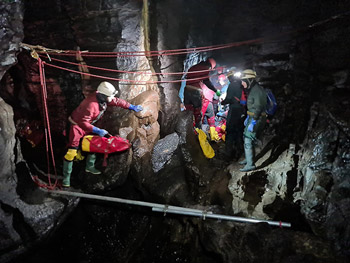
<point>168,208</point>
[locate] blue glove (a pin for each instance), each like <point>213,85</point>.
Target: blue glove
<point>218,93</point>
<point>136,108</point>
<point>251,126</point>
<point>246,120</point>
<point>182,89</point>
<point>243,102</point>
<point>98,131</point>
<point>221,114</point>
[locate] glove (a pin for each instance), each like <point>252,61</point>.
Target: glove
<point>246,120</point>
<point>218,93</point>
<point>243,102</point>
<point>221,113</point>
<point>135,108</point>
<point>182,89</point>
<point>182,107</point>
<point>251,126</point>
<point>98,131</point>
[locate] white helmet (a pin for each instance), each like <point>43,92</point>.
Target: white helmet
<point>107,89</point>
<point>248,74</point>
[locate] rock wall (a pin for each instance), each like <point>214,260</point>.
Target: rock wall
<point>27,214</point>
<point>303,161</point>
<point>177,25</point>
<point>323,177</point>
<point>50,26</point>
<point>11,33</point>
<point>303,165</point>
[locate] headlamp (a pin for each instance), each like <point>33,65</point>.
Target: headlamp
<point>237,74</point>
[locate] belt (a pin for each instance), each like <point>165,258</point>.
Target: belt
<point>71,121</point>
<point>252,114</point>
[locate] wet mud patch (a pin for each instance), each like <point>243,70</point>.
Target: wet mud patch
<point>281,210</point>
<point>26,188</point>
<point>254,187</point>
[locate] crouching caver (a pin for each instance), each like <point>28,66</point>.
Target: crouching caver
<point>256,117</point>
<point>82,119</point>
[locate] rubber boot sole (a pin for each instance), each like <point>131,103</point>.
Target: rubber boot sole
<point>92,172</point>
<point>248,169</point>
<point>244,162</point>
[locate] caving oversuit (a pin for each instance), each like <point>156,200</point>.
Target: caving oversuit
<point>254,123</point>
<point>234,122</point>
<point>82,119</point>
<point>199,93</point>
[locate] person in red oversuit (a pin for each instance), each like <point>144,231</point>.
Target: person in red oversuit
<point>199,94</point>
<point>82,122</point>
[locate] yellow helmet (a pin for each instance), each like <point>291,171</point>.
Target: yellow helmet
<point>107,89</point>
<point>248,74</point>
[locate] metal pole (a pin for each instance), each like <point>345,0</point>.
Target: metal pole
<point>124,201</point>
<point>204,215</point>
<point>169,209</point>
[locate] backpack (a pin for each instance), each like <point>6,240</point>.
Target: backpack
<point>271,106</point>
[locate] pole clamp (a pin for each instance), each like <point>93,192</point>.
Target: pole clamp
<point>204,214</point>
<point>165,210</point>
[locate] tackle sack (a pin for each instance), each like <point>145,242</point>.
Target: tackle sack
<point>97,144</point>
<point>271,106</point>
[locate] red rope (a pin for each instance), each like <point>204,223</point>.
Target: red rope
<point>129,72</point>
<point>48,125</point>
<point>194,49</point>
<point>156,52</point>
<point>121,80</point>
<point>48,138</point>
<point>112,55</point>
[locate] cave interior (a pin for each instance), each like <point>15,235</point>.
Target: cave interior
<point>299,50</point>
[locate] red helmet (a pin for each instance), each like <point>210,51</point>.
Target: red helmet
<point>212,62</point>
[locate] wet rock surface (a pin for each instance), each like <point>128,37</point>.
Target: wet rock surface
<point>323,179</point>
<point>163,151</point>
<point>303,164</point>
<point>28,214</point>
<point>261,243</point>
<point>11,33</point>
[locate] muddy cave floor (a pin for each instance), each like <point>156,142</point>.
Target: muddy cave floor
<point>217,183</point>
<point>64,243</point>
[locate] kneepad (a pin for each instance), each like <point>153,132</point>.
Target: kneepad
<point>71,153</point>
